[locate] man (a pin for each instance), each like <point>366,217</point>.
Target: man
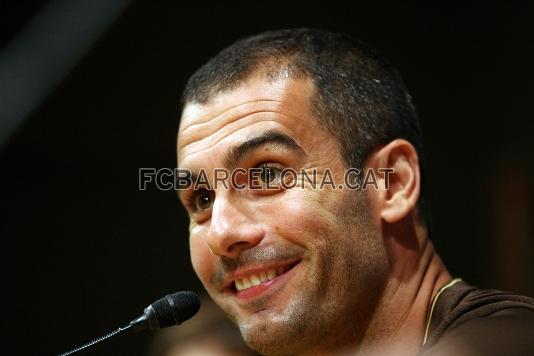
<point>339,268</point>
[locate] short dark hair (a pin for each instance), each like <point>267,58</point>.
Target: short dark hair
<point>360,98</point>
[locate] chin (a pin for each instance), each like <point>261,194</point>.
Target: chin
<point>277,333</point>
<point>269,340</point>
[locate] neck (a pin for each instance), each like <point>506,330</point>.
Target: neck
<point>417,274</point>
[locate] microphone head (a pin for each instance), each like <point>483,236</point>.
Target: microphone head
<point>173,309</point>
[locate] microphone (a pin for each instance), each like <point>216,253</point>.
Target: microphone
<point>172,309</point>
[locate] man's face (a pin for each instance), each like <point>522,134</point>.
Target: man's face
<point>319,262</point>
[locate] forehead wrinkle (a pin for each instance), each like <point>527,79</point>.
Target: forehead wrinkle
<point>229,129</point>
<point>226,110</point>
<point>281,127</point>
<point>217,130</point>
<point>229,114</point>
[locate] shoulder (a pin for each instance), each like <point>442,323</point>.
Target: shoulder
<point>471,321</point>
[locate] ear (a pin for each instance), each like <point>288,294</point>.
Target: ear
<point>396,167</point>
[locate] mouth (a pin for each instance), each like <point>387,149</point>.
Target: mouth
<point>252,283</point>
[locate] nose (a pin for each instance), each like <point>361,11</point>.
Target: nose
<point>232,229</point>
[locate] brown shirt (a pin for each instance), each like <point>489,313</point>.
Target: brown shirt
<point>466,320</point>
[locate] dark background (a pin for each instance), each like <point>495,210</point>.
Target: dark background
<point>91,250</point>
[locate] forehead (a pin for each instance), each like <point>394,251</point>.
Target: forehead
<point>255,106</point>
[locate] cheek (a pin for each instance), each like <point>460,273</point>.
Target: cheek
<point>301,216</point>
<point>202,259</point>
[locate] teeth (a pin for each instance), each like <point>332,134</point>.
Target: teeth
<point>256,279</point>
<point>246,283</point>
<point>271,274</point>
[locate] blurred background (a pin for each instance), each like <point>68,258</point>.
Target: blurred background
<point>89,94</point>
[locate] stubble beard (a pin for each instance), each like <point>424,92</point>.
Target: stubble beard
<point>336,309</point>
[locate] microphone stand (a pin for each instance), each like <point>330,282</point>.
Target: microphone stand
<point>136,325</point>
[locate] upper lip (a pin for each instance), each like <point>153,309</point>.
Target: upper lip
<point>248,271</point>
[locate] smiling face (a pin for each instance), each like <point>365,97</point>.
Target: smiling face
<point>297,269</point>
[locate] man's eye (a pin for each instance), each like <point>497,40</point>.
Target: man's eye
<point>270,174</point>
<point>203,201</point>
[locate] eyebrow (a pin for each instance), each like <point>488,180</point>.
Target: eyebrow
<point>240,151</point>
<point>271,137</point>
